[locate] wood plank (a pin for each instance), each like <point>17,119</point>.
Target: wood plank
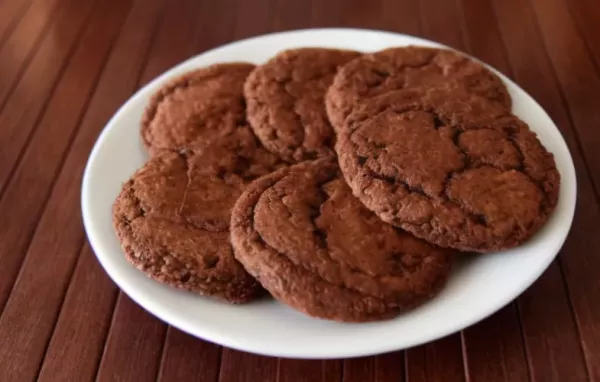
<point>553,346</point>
<point>576,73</point>
<point>77,343</point>
<point>177,25</point>
<point>359,369</point>
<point>237,366</point>
<point>326,13</point>
<point>402,16</point>
<point>60,229</point>
<point>173,43</point>
<point>390,367</point>
<point>578,258</point>
<point>477,345</point>
<point>495,350</point>
<point>34,175</point>
<point>22,349</point>
<point>586,14</point>
<point>291,14</point>
<point>380,368</point>
<point>20,44</point>
<point>440,20</point>
<point>186,358</point>
<point>212,28</point>
<point>482,36</point>
<point>11,12</point>
<point>439,361</point>
<point>293,370</point>
<point>134,345</point>
<point>361,13</point>
<point>252,18</point>
<point>27,101</point>
<point>215,25</point>
<point>412,17</point>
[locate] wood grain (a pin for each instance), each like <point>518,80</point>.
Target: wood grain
<point>552,340</point>
<point>204,36</point>
<point>186,358</point>
<point>361,13</point>
<point>252,18</point>
<point>586,15</point>
<point>383,367</point>
<point>291,14</point>
<point>67,65</point>
<point>21,350</point>
<point>238,366</point>
<point>163,55</point>
<point>36,172</point>
<point>11,12</point>
<point>390,367</point>
<point>483,38</point>
<point>214,26</point>
<point>82,325</point>
<point>441,21</point>
<point>116,84</point>
<point>359,369</point>
<point>173,43</point>
<point>293,370</point>
<point>438,361</point>
<point>494,348</point>
<point>31,94</point>
<point>326,13</point>
<point>578,77</point>
<point>16,51</point>
<point>402,16</point>
<point>134,345</point>
<point>578,258</point>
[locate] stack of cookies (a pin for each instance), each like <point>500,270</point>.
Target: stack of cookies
<point>343,184</point>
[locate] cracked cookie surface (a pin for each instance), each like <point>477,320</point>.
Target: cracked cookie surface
<point>196,107</point>
<point>451,168</point>
<point>409,67</point>
<point>172,217</point>
<point>285,99</point>
<point>314,246</point>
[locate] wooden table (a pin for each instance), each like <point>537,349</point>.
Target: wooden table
<point>67,65</point>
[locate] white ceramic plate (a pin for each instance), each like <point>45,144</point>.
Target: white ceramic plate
<point>478,287</point>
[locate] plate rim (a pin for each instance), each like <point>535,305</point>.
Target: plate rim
<point>364,350</point>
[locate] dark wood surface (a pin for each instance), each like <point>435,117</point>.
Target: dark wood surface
<point>67,65</point>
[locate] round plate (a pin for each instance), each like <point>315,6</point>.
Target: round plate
<point>478,287</point>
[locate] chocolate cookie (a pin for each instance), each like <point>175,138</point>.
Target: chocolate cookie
<point>196,107</point>
<point>314,246</point>
<point>172,217</point>
<point>408,67</point>
<point>452,168</point>
<point>285,101</point>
